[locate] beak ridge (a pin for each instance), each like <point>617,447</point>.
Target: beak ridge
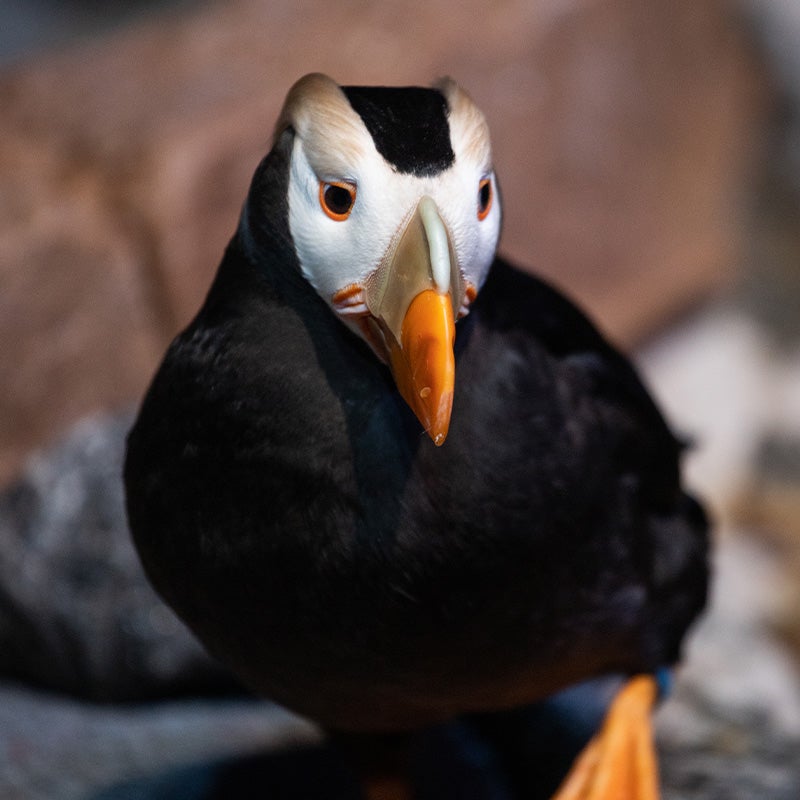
<point>410,297</point>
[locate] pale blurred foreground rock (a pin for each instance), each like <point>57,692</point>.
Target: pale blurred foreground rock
<point>621,132</point>
<point>731,730</point>
<point>54,748</point>
<point>733,388</point>
<point>77,614</point>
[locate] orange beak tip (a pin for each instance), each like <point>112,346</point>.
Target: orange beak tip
<point>435,420</point>
<point>438,433</point>
<point>424,364</point>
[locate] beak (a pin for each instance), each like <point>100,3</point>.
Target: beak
<point>410,299</point>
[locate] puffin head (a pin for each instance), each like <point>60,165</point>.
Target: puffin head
<point>395,217</point>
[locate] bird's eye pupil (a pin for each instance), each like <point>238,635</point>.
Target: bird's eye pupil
<point>337,199</point>
<point>484,197</point>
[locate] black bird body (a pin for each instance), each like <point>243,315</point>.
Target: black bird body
<point>286,503</point>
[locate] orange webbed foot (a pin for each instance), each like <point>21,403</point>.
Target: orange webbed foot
<point>619,763</point>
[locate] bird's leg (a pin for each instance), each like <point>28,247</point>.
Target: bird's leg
<point>619,763</point>
<point>382,762</point>
<point>386,788</point>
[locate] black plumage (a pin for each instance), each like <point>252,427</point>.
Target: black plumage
<point>408,125</point>
<point>285,501</point>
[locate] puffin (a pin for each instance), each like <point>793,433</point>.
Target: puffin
<point>391,480</point>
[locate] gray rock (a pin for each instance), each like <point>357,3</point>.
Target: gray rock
<point>731,730</point>
<point>77,614</point>
<point>52,748</point>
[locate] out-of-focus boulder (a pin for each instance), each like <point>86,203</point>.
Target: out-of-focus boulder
<point>621,137</point>
<point>732,727</point>
<point>76,612</point>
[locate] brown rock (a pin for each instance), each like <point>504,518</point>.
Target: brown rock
<point>74,320</point>
<point>619,131</point>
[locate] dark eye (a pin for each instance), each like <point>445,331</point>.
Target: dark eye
<point>337,199</point>
<point>484,198</point>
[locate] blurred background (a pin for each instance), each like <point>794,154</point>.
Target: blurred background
<point>649,156</point>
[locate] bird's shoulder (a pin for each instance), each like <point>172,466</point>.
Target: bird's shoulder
<point>542,395</point>
<point>522,318</point>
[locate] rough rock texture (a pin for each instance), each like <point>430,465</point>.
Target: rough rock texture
<point>771,278</point>
<point>621,132</point>
<point>732,727</point>
<point>53,748</point>
<point>75,322</point>
<point>76,612</point>
<point>731,731</point>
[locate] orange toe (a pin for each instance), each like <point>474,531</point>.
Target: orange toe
<point>619,763</point>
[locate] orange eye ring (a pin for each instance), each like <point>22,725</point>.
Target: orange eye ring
<point>337,199</point>
<point>485,197</point>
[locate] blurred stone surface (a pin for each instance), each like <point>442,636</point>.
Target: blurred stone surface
<point>54,748</point>
<point>31,26</point>
<point>76,612</point>
<point>731,730</point>
<point>732,727</point>
<point>732,387</point>
<point>621,132</point>
<point>770,275</point>
<point>75,320</point>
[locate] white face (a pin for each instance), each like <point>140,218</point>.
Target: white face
<point>332,145</point>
